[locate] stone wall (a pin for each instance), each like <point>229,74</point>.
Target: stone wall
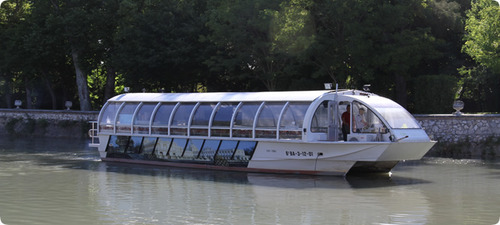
<point>45,123</point>
<point>468,135</point>
<point>449,128</point>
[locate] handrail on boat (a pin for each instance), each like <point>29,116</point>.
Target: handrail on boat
<point>94,138</point>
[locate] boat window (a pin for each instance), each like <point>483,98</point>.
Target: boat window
<point>395,115</point>
<point>144,114</point>
<point>117,144</point>
<point>226,149</point>
<point>223,115</point>
<point>267,121</point>
<point>134,145</point>
<point>181,116</point>
<point>365,121</point>
<point>319,121</point>
<point>192,148</point>
<point>177,147</point>
<point>244,151</point>
<point>163,114</point>
<point>292,120</point>
<point>125,115</point>
<point>148,145</point>
<point>269,115</point>
<point>243,123</point>
<point>209,149</point>
<point>162,146</point>
<point>293,117</point>
<point>203,113</point>
<point>181,119</point>
<point>108,116</point>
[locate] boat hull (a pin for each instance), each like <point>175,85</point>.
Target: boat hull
<point>323,158</point>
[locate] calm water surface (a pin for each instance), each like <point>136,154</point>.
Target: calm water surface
<point>61,181</point>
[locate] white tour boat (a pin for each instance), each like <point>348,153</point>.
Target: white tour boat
<point>306,132</point>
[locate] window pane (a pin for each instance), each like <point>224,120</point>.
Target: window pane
<point>134,145</point>
<point>365,121</point>
<point>193,148</point>
<point>144,114</point>
<point>245,150</point>
<point>177,147</point>
<point>269,115</point>
<point>163,115</point>
<point>108,116</point>
<point>224,114</point>
<point>226,149</point>
<point>209,149</point>
<point>293,117</point>
<point>182,114</point>
<point>246,115</point>
<point>162,147</point>
<point>202,114</point>
<point>319,121</point>
<point>148,145</point>
<point>125,115</point>
<point>117,144</point>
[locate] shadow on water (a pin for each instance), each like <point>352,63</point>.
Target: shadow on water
<point>75,154</point>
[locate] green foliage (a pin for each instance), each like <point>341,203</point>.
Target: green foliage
<point>248,45</point>
<point>434,93</point>
<point>482,41</point>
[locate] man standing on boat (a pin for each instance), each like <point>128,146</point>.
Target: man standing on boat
<point>346,122</point>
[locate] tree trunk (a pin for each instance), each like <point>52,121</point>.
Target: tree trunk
<point>109,89</point>
<point>51,92</point>
<point>81,82</point>
<point>29,100</point>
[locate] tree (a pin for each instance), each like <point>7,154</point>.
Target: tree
<point>482,40</point>
<point>76,25</point>
<point>158,47</point>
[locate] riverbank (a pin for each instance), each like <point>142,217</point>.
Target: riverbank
<point>466,136</point>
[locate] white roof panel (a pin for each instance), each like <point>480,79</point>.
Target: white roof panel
<point>220,96</point>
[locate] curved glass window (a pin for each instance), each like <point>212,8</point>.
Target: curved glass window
<point>293,117</point>
<point>106,124</point>
<point>144,114</point>
<point>161,119</point>
<point>125,115</point>
<point>181,116</point>
<point>163,114</point>
<point>396,116</point>
<point>267,122</point>
<point>365,121</point>
<point>202,115</point>
<point>141,120</point>
<point>181,119</point>
<point>222,119</point>
<point>124,120</point>
<point>243,122</point>
<point>269,115</point>
<point>292,120</point>
<point>223,115</point>
<point>319,123</point>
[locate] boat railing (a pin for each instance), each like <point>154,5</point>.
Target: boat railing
<point>94,138</point>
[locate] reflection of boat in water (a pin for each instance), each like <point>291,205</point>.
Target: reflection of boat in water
<point>209,197</point>
<point>274,132</point>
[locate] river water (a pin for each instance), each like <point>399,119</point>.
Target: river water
<point>62,181</point>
